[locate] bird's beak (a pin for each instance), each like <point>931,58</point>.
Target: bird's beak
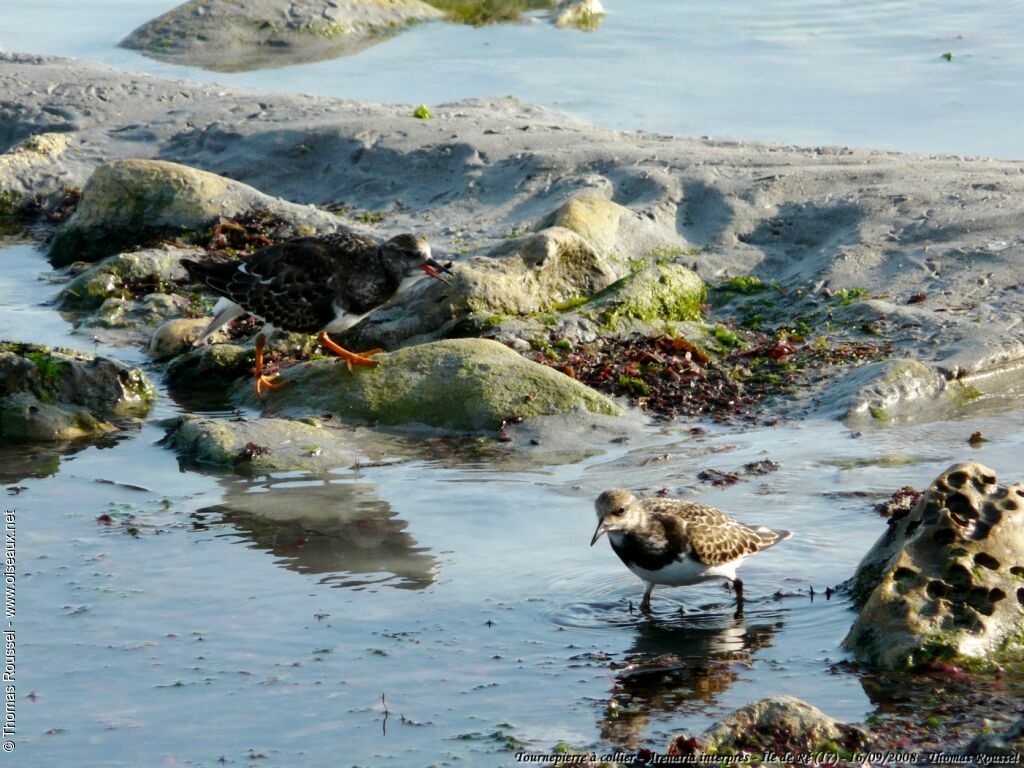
<point>433,267</point>
<point>601,531</point>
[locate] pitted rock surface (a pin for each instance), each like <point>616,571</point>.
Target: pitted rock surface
<point>946,581</point>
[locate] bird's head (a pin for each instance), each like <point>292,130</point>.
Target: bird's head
<point>410,258</point>
<point>617,510</point>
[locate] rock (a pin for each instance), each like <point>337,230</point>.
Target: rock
<point>263,444</point>
<point>457,384</point>
<point>232,35</point>
<point>175,337</point>
<point>30,169</point>
<point>899,390</point>
<point>127,202</point>
<point>780,724</point>
<point>58,395</point>
<point>944,581</point>
<point>616,232</point>
<point>663,293</point>
<point>212,367</point>
<point>127,315</point>
<point>580,14</point>
<point>541,272</point>
<point>1009,743</point>
<point>125,273</point>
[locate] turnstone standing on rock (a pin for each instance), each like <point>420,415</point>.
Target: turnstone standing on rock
<point>314,285</point>
<point>677,543</point>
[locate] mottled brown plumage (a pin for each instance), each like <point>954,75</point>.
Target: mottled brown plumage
<point>677,542</point>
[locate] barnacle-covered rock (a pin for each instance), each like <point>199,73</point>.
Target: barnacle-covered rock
<point>946,581</point>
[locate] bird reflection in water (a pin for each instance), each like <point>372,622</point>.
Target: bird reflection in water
<point>341,530</point>
<point>679,667</point>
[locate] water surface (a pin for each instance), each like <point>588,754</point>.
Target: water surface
<point>807,72</point>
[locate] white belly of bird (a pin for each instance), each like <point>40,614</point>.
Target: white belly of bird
<point>686,571</point>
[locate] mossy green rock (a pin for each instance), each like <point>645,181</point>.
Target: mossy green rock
<point>262,444</point>
<point>235,35</point>
<point>943,583</point>
<point>129,202</point>
<point>57,394</point>
<point>457,384</point>
<point>662,293</point>
<point>123,272</point>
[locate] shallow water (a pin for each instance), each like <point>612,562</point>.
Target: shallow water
<point>799,71</point>
<point>261,620</point>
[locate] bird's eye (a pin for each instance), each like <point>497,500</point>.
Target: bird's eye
<point>620,511</point>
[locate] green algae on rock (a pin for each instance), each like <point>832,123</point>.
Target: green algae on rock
<point>144,271</point>
<point>659,294</point>
<point>262,444</point>
<point>54,395</point>
<point>944,581</point>
<point>456,384</point>
<point>233,36</point>
<point>128,202</point>
<point>481,12</point>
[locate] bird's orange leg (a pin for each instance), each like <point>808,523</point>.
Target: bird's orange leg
<point>350,358</point>
<point>261,380</point>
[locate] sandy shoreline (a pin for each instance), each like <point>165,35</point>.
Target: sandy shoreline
<point>932,242</point>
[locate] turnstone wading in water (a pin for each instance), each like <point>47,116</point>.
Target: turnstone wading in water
<point>677,543</point>
<point>317,285</point>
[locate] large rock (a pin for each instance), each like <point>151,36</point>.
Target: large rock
<point>780,724</point>
<point>147,270</point>
<point>612,229</point>
<point>234,35</point>
<point>578,14</point>
<point>127,202</point>
<point>58,395</point>
<point>262,445</point>
<point>903,390</point>
<point>944,581</point>
<point>458,384</point>
<point>211,367</point>
<point>540,272</point>
<point>656,295</point>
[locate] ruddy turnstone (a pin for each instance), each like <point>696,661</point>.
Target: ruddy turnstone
<point>677,543</point>
<point>314,285</point>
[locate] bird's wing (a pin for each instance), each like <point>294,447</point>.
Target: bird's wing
<point>706,533</point>
<point>288,284</point>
